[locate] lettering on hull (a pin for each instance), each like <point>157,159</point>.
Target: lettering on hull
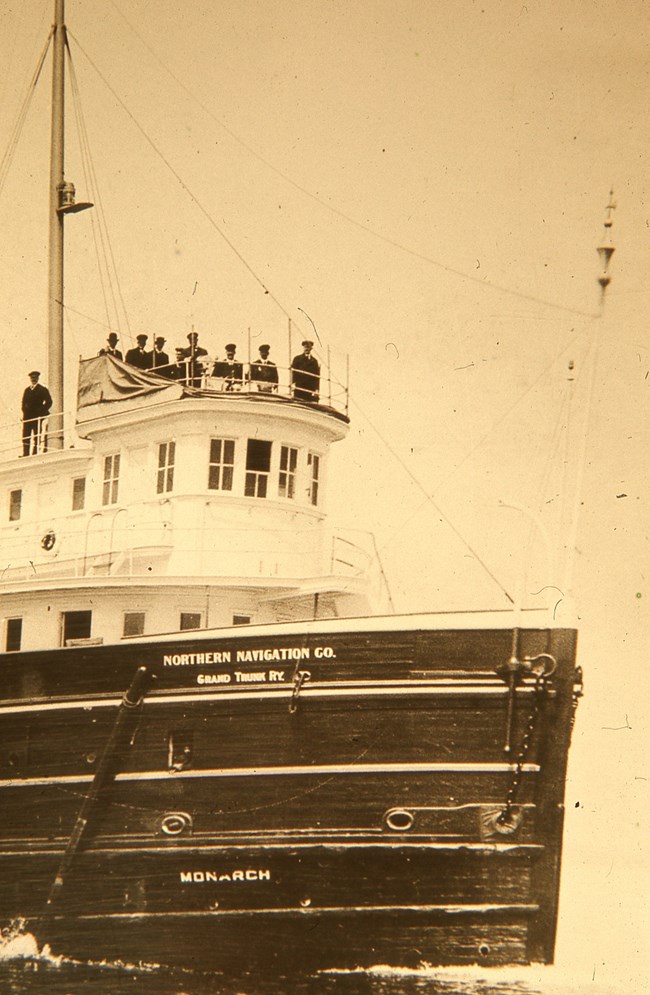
<point>275,654</point>
<point>221,877</point>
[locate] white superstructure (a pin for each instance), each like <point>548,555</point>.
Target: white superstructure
<point>177,510</point>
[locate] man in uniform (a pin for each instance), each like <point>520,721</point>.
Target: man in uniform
<point>37,402</point>
<point>138,356</point>
<point>178,370</point>
<point>264,372</point>
<point>305,374</point>
<point>111,349</point>
<point>193,356</point>
<point>229,370</point>
<point>158,359</point>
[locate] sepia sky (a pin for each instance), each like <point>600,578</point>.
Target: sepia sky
<point>427,181</point>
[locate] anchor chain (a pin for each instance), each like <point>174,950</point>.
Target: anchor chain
<point>578,691</point>
<point>507,821</point>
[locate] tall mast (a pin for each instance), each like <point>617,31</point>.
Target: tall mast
<point>55,288</point>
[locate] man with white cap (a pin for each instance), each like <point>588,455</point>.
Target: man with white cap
<point>37,402</point>
<point>305,374</point>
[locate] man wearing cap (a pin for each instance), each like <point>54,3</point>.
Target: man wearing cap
<point>229,370</point>
<point>138,356</point>
<point>158,359</point>
<point>305,374</point>
<point>178,370</point>
<point>111,349</point>
<point>193,355</point>
<point>37,402</point>
<point>264,372</point>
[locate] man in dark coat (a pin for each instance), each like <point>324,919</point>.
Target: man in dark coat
<point>139,356</point>
<point>158,358</point>
<point>264,372</point>
<point>111,348</point>
<point>37,403</point>
<point>305,374</point>
<point>193,355</point>
<point>229,370</point>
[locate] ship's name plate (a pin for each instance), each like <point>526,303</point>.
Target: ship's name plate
<point>220,877</point>
<point>274,654</point>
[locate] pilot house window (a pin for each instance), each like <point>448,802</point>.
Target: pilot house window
<point>222,461</point>
<point>258,466</point>
<point>313,461</point>
<point>111,479</point>
<point>166,459</point>
<point>287,479</point>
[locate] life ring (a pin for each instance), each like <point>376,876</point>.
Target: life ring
<point>48,540</point>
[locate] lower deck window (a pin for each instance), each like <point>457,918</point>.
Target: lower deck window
<point>133,624</point>
<point>241,620</point>
<point>190,620</point>
<point>76,625</point>
<point>13,634</point>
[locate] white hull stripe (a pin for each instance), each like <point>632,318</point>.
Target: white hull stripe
<point>245,693</point>
<point>311,770</point>
<point>454,910</point>
<point>181,851</point>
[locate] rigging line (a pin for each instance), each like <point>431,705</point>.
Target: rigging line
<point>185,187</point>
<point>22,115</point>
<point>346,217</point>
<point>88,317</point>
<point>483,438</point>
<point>103,226</point>
<point>437,507</point>
<point>99,253</point>
<point>109,257</point>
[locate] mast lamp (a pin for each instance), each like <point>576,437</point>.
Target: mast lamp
<point>67,202</point>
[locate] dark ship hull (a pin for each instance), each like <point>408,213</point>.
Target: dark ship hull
<point>341,798</point>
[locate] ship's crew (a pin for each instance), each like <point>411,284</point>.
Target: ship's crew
<point>178,370</point>
<point>264,372</point>
<point>138,356</point>
<point>37,402</point>
<point>193,355</point>
<point>229,369</point>
<point>110,349</point>
<point>305,374</point>
<point>158,358</point>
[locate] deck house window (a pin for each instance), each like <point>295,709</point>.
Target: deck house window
<point>13,634</point>
<point>111,479</point>
<point>76,625</point>
<point>166,460</point>
<point>258,467</point>
<point>222,462</point>
<point>241,620</point>
<point>133,624</point>
<point>15,505</point>
<point>190,620</point>
<point>287,479</point>
<point>78,493</point>
<point>313,461</point>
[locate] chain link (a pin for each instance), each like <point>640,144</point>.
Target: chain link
<point>505,822</point>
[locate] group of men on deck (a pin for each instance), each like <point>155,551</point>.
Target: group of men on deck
<point>192,363</point>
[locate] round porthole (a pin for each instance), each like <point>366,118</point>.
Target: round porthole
<point>175,823</point>
<point>48,540</point>
<point>399,820</point>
